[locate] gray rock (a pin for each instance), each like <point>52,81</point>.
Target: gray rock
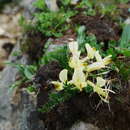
<point>24,114</point>
<point>17,109</point>
<point>84,126</point>
<point>7,78</point>
<point>74,2</point>
<point>52,5</point>
<point>29,9</point>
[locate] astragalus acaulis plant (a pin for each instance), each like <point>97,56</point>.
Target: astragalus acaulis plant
<point>83,67</point>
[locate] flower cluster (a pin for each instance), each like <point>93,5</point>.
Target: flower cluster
<point>82,68</point>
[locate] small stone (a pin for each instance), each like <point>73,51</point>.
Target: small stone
<point>84,126</point>
<point>52,5</point>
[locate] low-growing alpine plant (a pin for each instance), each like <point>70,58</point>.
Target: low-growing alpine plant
<point>87,75</point>
<point>83,67</point>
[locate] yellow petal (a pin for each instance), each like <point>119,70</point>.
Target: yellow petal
<point>91,83</point>
<point>78,79</point>
<point>90,51</point>
<point>63,75</point>
<point>100,91</point>
<point>95,66</point>
<point>58,85</point>
<point>75,62</point>
<point>97,89</point>
<point>73,46</point>
<point>98,56</point>
<point>107,60</point>
<point>101,82</point>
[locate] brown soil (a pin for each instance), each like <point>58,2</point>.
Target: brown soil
<point>82,106</point>
<point>69,34</point>
<point>103,28</point>
<point>47,73</point>
<point>124,13</point>
<point>33,44</point>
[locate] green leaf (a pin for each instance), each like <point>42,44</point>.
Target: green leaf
<point>59,54</point>
<point>125,38</point>
<point>28,73</point>
<point>88,89</point>
<point>125,52</point>
<point>39,4</point>
<point>81,34</point>
<point>31,89</point>
<point>56,98</point>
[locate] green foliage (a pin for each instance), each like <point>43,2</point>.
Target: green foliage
<point>124,69</point>
<point>59,53</point>
<point>108,9</point>
<point>16,53</point>
<point>53,23</point>
<point>65,3</point>
<point>31,89</point>
<point>121,1</point>
<point>88,6</point>
<point>82,39</point>
<point>26,25</point>
<point>88,89</point>
<point>47,22</point>
<point>115,49</point>
<point>125,38</point>
<point>56,98</point>
<point>40,4</point>
<point>81,34</point>
<point>16,84</point>
<point>26,71</point>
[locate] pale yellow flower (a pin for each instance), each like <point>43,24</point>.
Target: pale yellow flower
<point>63,75</point>
<point>82,68</point>
<point>63,78</point>
<point>101,82</point>
<point>58,85</point>
<point>90,51</point>
<point>97,88</point>
<point>79,79</point>
<point>103,93</point>
<point>73,46</point>
<point>107,60</point>
<point>75,61</point>
<point>101,63</point>
<point>95,66</point>
<point>98,56</point>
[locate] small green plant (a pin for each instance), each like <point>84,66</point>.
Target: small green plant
<point>58,97</point>
<point>88,6</point>
<point>108,9</point>
<point>59,53</point>
<point>26,72</point>
<point>47,22</point>
<point>40,4</point>
<point>115,48</point>
<point>53,23</point>
<point>82,78</point>
<point>125,38</point>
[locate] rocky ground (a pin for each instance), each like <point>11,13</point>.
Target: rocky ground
<point>18,109</point>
